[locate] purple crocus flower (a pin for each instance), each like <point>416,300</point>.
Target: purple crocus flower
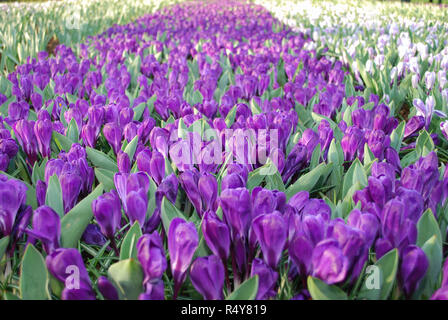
<point>182,243</point>
<point>189,181</point>
<point>107,289</point>
<point>46,228</point>
<point>271,232</point>
<point>426,110</point>
<point>216,235</point>
<point>132,190</point>
<point>41,191</point>
<point>151,254</point>
<point>329,262</point>
<point>414,265</point>
<point>71,184</point>
<point>267,279</point>
<point>351,142</point>
<point>208,190</point>
<point>444,128</point>
<point>237,211</point>
<point>43,130</point>
<point>295,161</point>
<point>12,196</point>
<point>123,162</point>
<point>207,276</point>
<point>107,211</point>
<point>93,235</point>
<point>113,134</point>
<point>62,263</point>
<point>157,167</point>
<point>24,131</point>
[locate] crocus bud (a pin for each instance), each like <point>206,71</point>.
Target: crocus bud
<point>208,190</point>
<point>107,211</point>
<point>232,181</point>
<point>123,162</point>
<point>107,289</point>
<point>157,166</point>
<point>351,141</point>
<point>267,278</point>
<point>263,201</point>
<point>154,291</point>
<point>237,211</point>
<point>309,139</point>
<point>271,232</point>
<point>136,206</point>
<point>151,255</point>
<point>46,228</point>
<point>329,263</point>
<point>43,130</point>
<point>93,236</point>
<point>113,134</point>
<point>189,181</point>
<point>413,268</point>
<point>216,235</point>
<point>207,276</point>
<point>414,80</point>
<point>61,263</point>
<point>41,191</point>
<point>71,184</point>
<point>182,243</point>
<point>24,131</point>
<point>13,196</point>
<point>430,78</point>
<point>130,131</point>
<point>89,134</point>
<point>36,100</point>
<point>159,139</point>
<point>301,251</point>
<point>295,161</point>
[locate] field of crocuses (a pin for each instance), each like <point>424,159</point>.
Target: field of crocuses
<point>272,149</point>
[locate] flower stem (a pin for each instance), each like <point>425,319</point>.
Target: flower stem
<point>114,246</point>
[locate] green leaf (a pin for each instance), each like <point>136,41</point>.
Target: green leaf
<point>131,147</point>
<point>72,131</point>
<point>315,157</point>
<point>246,291</point>
<point>354,174</point>
<point>10,296</point>
<point>387,267</point>
<point>138,111</point>
<point>129,245</point>
<point>76,220</point>
<point>3,245</point>
<point>368,155</point>
<point>168,213</point>
<point>396,136</point>
<point>308,180</point>
<point>101,160</point>
<point>230,118</point>
<point>434,253</point>
<point>62,141</point>
<point>127,277</point>
<point>53,196</point>
<point>319,290</point>
<point>424,144</point>
<point>106,178</point>
<point>427,227</point>
<point>34,278</point>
